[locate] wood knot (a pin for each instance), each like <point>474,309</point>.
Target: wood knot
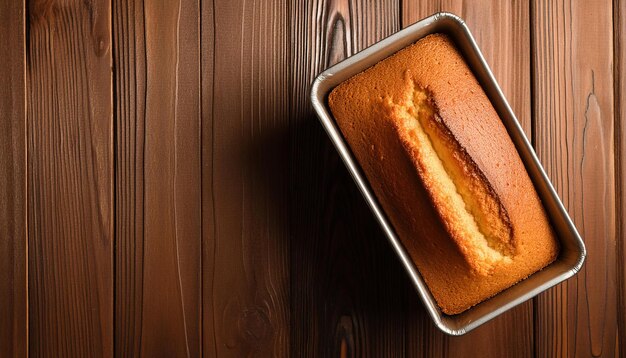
<point>344,337</point>
<point>101,46</point>
<point>255,325</point>
<point>41,10</point>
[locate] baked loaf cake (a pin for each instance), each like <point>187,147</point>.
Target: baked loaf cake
<point>446,172</point>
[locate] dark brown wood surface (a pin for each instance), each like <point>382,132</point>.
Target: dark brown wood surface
<point>166,190</point>
<point>245,166</point>
<point>13,246</point>
<point>70,178</point>
<point>574,137</point>
<point>158,301</point>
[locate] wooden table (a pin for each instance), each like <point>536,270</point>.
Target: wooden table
<point>165,189</point>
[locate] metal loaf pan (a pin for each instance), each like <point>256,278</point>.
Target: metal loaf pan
<point>572,253</point>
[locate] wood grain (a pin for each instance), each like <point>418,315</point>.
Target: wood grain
<point>574,137</point>
<point>129,59</point>
<point>13,248</point>
<point>158,191</point>
<point>207,61</point>
<point>350,296</point>
<point>70,159</point>
<point>502,33</point>
<point>245,113</point>
<point>619,63</point>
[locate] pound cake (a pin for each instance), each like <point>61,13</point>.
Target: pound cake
<point>446,172</point>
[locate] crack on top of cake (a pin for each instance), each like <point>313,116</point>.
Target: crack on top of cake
<point>479,199</point>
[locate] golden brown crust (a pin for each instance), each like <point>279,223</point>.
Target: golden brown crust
<point>475,170</point>
<point>366,110</point>
<point>466,203</point>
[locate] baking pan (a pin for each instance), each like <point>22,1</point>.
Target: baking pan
<point>572,253</point>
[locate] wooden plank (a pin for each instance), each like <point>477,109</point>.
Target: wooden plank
<point>129,61</point>
<point>350,296</point>
<point>158,173</point>
<point>245,113</point>
<point>501,31</point>
<point>70,158</point>
<point>619,62</point>
<point>574,135</point>
<point>13,280</point>
<point>207,61</point>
